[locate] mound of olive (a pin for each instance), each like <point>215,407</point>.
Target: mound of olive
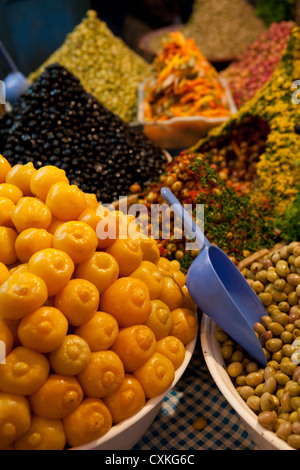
<point>273,392</point>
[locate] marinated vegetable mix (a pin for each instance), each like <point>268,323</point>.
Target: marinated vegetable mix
<point>91,333</point>
<point>273,392</point>
<point>183,83</point>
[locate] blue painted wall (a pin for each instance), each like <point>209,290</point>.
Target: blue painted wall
<point>32,29</point>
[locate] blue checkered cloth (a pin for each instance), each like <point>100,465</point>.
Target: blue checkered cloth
<point>196,395</point>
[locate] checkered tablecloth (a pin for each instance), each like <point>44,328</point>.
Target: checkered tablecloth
<point>196,395</point>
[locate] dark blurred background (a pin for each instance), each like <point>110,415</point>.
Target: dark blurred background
<point>32,29</point>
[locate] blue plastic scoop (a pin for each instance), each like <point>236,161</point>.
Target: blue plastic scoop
<point>219,289</point>
<point>15,82</point>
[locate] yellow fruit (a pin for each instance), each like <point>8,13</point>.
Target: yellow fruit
<point>4,168</point>
<point>91,200</point>
<point>150,249</point>
<point>4,273</point>
<point>24,373</point>
<point>8,238</point>
<point>57,397</point>
<point>65,201</point>
<point>128,300</point>
<point>171,293</point>
<point>77,239</point>
<point>78,301</point>
<point>6,208</point>
<point>10,191</point>
<point>90,421</point>
<point>103,375</point>
<point>15,418</point>
<point>100,331</point>
<point>134,345</point>
<point>44,178</point>
<point>20,176</point>
<point>149,273</point>
<point>101,269</point>
<point>184,325</point>
<point>172,348</point>
<point>160,319</point>
<point>43,434</point>
<point>31,241</point>
<point>54,266</point>
<point>155,375</point>
<point>71,357</point>
<point>21,294</point>
<point>188,302</point>
<point>19,269</point>
<point>43,330</point>
<point>128,255</point>
<point>54,225</point>
<point>30,212</point>
<point>128,400</point>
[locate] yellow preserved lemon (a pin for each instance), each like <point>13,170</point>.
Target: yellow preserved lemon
<point>57,397</point>
<point>55,267</point>
<point>78,301</point>
<point>20,176</point>
<point>24,372</point>
<point>44,178</point>
<point>77,239</point>
<point>15,418</point>
<point>43,434</point>
<point>88,422</point>
<point>30,212</point>
<point>71,357</point>
<point>21,294</point>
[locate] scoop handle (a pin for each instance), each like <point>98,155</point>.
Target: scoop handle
<point>186,219</point>
<point>5,55</point>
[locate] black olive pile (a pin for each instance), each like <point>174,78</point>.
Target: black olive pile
<point>56,122</point>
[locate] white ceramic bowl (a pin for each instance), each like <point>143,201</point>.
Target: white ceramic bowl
<point>181,132</point>
<point>264,439</point>
<point>125,435</point>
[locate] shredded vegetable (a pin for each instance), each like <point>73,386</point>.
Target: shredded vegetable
<point>185,83</point>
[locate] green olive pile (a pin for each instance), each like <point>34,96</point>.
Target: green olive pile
<point>273,392</point>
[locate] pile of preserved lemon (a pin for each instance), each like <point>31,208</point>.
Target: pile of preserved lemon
<point>92,327</point>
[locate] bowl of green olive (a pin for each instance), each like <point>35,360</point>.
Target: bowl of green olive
<point>267,398</point>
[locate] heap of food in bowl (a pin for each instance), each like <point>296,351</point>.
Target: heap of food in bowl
<point>93,327</point>
<point>184,83</point>
<point>272,392</point>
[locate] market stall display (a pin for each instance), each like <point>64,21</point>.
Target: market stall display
<point>57,122</point>
<point>254,67</point>
<point>106,67</point>
<point>221,29</point>
<point>93,328</point>
<point>253,158</point>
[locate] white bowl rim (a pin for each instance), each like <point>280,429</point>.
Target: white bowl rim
<point>117,429</point>
<point>174,120</point>
<point>215,363</point>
